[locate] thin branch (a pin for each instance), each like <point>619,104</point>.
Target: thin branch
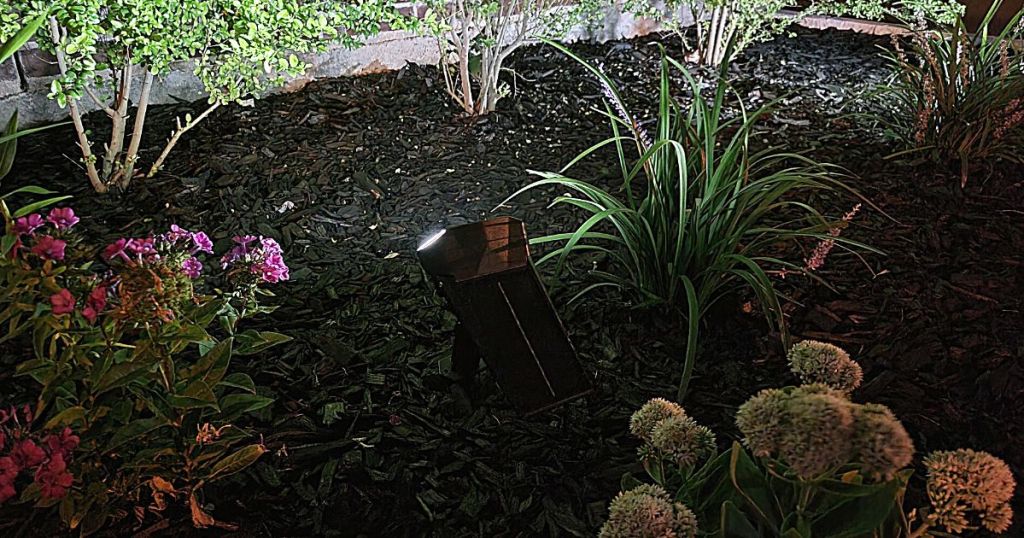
<point>182,129</point>
<point>76,116</point>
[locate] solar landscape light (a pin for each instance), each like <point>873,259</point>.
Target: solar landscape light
<point>504,314</point>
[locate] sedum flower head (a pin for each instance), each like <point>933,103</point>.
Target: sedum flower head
<point>762,419</point>
<point>819,362</point>
<point>808,427</point>
<point>882,444</point>
<point>964,482</point>
<point>643,421</point>
<point>647,511</point>
<point>683,441</point>
<point>817,438</point>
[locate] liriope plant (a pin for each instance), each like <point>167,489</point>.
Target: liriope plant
<point>700,213</point>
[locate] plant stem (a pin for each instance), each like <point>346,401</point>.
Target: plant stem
<point>128,169</point>
<point>182,129</point>
<point>119,120</point>
<point>76,116</point>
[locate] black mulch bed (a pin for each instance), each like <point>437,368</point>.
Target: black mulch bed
<point>369,438</point>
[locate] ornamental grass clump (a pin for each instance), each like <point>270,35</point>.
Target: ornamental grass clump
<point>967,488</point>
<point>957,97</point>
<point>647,511</point>
<point>699,214</point>
<point>820,362</point>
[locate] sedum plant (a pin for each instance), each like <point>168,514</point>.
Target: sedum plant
<point>958,98</point>
<point>692,222</point>
<point>810,463</point>
<point>132,352</point>
<point>717,23</point>
<point>111,51</point>
<point>475,37</point>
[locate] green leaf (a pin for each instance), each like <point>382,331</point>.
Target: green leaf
<point>134,430</point>
<point>212,366</point>
<point>9,148</point>
<point>234,405</point>
<point>66,417</point>
<point>36,206</point>
<point>251,341</point>
<point>734,524</point>
<point>236,461</point>
<point>862,515</point>
<point>239,380</point>
<point>749,481</point>
<point>8,48</point>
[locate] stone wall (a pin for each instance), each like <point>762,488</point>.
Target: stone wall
<point>25,78</point>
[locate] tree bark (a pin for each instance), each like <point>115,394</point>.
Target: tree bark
<point>128,169</point>
<point>76,117</point>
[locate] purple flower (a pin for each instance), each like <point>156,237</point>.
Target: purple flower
<point>265,259</point>
<point>202,243</point>
<point>49,248</point>
<point>176,234</point>
<point>28,225</point>
<point>244,240</point>
<point>141,246</point>
<point>62,218</point>
<point>192,267</point>
<point>272,269</point>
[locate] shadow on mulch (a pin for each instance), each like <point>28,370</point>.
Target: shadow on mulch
<point>370,438</point>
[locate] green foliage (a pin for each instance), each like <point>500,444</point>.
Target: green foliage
<point>143,378</point>
<point>240,48</point>
<point>692,223</point>
<point>958,98</point>
<point>745,22</point>
<point>747,492</point>
<point>475,37</point>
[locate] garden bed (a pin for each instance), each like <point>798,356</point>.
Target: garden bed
<point>369,437</point>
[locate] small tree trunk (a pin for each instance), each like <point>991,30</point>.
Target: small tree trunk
<point>128,168</point>
<point>182,129</point>
<point>464,79</point>
<point>76,117</point>
<point>119,119</point>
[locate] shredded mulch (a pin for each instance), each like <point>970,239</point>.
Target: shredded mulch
<point>370,437</point>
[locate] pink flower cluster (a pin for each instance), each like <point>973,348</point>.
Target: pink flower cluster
<point>820,253</point>
<point>44,457</point>
<point>259,256</point>
<point>63,302</point>
<point>176,244</point>
<point>46,247</point>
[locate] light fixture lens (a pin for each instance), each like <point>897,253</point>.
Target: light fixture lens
<point>431,240</point>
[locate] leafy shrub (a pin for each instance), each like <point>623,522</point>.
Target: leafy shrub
<point>811,463</point>
<point>698,229</point>
<point>745,22</point>
<point>130,354</point>
<point>239,48</point>
<point>957,97</point>
<point>475,37</point>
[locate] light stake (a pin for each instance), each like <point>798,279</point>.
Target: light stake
<point>504,313</point>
